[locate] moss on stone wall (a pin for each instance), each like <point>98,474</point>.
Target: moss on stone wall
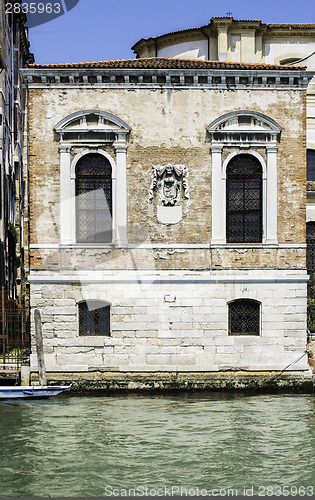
<point>165,382</point>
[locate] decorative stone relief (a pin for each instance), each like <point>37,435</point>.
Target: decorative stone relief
<point>168,180</point>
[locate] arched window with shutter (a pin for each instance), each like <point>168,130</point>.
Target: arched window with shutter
<point>244,200</point>
<point>93,188</point>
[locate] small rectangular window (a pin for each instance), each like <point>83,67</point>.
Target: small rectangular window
<point>244,317</point>
<point>94,318</point>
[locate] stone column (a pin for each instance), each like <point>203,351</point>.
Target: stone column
<point>213,48</point>
<point>271,235</point>
<point>248,46</point>
<point>217,197</point>
<point>120,204</point>
<point>222,43</point>
<point>66,204</point>
<point>259,49</point>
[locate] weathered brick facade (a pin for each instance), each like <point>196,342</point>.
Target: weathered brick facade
<point>169,286</point>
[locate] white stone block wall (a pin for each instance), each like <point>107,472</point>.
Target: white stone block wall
<point>179,322</point>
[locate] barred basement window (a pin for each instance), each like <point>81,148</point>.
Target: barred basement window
<point>244,317</point>
<point>94,317</point>
<point>94,199</point>
<point>244,200</point>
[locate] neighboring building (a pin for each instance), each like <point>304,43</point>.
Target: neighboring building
<point>168,210</point>
<point>14,54</point>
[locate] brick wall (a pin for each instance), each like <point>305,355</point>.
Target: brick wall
<point>169,126</point>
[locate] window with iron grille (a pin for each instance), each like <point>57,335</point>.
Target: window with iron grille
<point>311,164</point>
<point>244,317</point>
<point>94,199</point>
<point>244,200</point>
<point>94,317</point>
<point>310,246</point>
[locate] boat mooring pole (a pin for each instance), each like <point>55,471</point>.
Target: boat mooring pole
<point>40,349</point>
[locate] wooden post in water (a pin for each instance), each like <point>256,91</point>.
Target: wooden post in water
<point>40,349</point>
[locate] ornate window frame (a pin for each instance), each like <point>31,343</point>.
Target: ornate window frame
<point>228,132</point>
<point>76,130</point>
<point>72,216</point>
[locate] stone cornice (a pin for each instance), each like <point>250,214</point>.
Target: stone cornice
<point>229,79</point>
<point>253,275</point>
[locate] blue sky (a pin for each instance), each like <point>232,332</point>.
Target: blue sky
<point>97,30</point>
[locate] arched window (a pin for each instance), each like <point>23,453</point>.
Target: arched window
<point>290,60</point>
<point>94,317</point>
<point>244,317</point>
<point>93,199</point>
<point>91,129</point>
<point>244,200</point>
<point>311,164</point>
<point>310,246</point>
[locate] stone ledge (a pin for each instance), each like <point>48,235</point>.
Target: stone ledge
<point>172,381</point>
<point>157,78</point>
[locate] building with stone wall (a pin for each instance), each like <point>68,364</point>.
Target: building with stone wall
<point>167,209</point>
<point>227,39</point>
<point>14,54</point>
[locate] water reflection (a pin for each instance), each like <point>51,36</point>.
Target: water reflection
<point>78,446</point>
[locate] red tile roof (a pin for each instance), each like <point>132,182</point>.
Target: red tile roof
<point>166,63</point>
<point>291,25</point>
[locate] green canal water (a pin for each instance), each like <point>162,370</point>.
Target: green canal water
<point>97,446</point>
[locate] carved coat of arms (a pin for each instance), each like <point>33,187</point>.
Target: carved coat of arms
<point>168,180</point>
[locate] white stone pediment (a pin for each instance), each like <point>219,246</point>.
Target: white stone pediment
<point>92,121</point>
<point>244,121</point>
<point>242,125</point>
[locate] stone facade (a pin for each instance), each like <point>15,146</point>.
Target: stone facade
<point>176,323</point>
<point>168,273</point>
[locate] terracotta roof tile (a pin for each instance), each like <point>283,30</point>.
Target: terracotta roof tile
<point>166,63</point>
<point>291,25</point>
